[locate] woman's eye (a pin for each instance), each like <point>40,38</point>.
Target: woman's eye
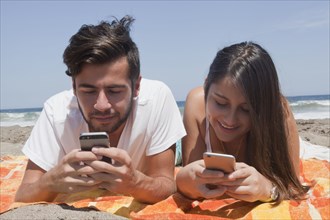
<point>245,110</point>
<point>221,104</point>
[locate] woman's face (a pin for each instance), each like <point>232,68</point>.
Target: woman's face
<point>227,111</point>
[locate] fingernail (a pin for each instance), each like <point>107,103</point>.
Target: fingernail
<point>232,177</point>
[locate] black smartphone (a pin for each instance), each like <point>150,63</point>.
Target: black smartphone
<point>89,140</point>
<point>216,161</point>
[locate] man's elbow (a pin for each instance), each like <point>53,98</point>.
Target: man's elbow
<point>19,196</point>
<point>161,194</point>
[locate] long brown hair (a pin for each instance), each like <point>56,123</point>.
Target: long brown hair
<point>252,69</point>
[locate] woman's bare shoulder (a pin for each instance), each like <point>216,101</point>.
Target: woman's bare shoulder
<point>196,95</point>
<point>195,103</point>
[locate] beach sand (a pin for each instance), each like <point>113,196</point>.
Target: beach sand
<point>315,131</point>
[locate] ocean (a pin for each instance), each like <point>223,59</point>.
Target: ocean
<point>303,107</point>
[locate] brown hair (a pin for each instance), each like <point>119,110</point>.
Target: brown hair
<point>100,44</point>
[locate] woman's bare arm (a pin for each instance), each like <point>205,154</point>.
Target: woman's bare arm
<point>193,144</point>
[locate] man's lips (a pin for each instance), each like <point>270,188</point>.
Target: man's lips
<point>103,118</point>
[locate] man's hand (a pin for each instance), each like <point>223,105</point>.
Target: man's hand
<point>70,175</point>
<point>155,184</point>
<point>119,177</point>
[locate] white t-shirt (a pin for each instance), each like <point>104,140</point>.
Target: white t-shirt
<point>153,126</point>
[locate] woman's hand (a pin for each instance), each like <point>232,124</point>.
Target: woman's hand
<point>247,184</point>
<point>195,181</point>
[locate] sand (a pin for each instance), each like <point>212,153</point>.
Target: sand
<point>315,131</point>
<point>52,211</point>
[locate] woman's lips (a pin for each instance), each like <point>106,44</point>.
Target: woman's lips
<point>228,128</point>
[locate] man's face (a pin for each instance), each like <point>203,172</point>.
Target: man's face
<point>105,95</point>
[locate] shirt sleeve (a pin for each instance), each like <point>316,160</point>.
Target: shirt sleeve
<point>43,147</point>
<point>166,122</point>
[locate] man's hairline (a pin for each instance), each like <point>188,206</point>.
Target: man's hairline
<point>108,62</point>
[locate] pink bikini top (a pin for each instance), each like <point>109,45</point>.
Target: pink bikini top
<point>207,137</point>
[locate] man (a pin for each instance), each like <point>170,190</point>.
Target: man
<point>139,115</point>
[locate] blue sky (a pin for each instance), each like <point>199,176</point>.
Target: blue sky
<point>177,41</point>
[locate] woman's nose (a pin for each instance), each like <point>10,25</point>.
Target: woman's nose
<point>231,118</point>
<point>102,103</point>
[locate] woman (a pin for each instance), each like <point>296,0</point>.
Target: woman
<point>240,111</point>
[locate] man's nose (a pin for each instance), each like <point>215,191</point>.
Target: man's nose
<point>102,102</point>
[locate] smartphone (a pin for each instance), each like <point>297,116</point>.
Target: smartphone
<point>94,139</point>
<point>216,161</point>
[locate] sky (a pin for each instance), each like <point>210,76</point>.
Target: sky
<point>177,41</point>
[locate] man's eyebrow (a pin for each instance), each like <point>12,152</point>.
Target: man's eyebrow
<point>116,86</point>
<point>86,85</point>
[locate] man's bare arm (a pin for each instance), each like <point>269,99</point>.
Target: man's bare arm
<point>34,185</point>
<point>158,183</point>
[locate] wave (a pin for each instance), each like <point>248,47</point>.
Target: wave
<point>303,107</point>
<point>22,119</point>
<point>26,116</point>
<point>311,103</point>
<point>313,109</point>
<point>311,115</point>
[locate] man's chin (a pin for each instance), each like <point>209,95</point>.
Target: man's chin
<point>101,127</point>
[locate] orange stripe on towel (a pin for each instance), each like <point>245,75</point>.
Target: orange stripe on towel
<point>177,206</point>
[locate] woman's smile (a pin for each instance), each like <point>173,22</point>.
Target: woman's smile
<point>228,129</point>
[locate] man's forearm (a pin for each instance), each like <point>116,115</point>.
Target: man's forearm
<point>34,192</point>
<point>153,189</point>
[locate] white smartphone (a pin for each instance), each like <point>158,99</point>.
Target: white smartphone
<point>216,161</point>
<point>94,139</point>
